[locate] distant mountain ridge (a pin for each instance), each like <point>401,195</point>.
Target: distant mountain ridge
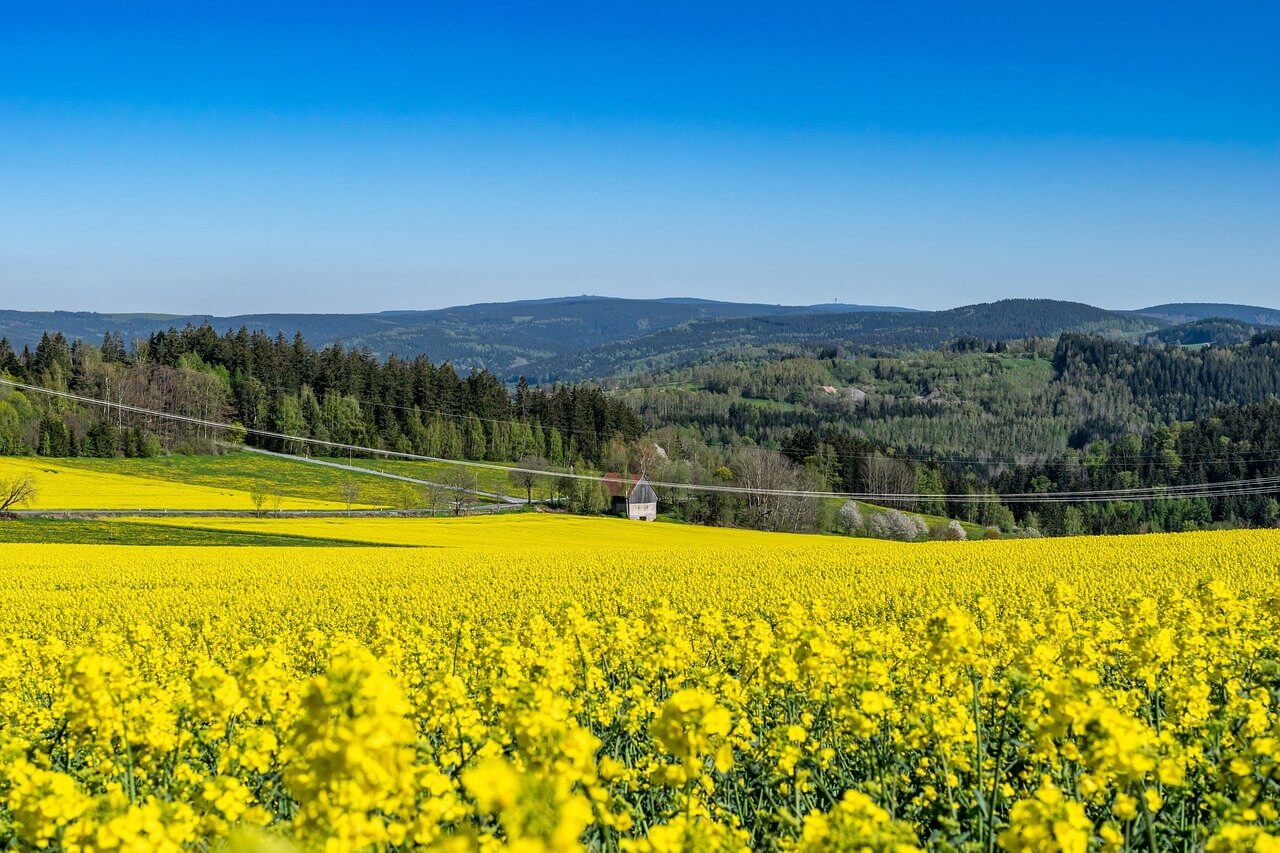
<point>1004,320</point>
<point>580,337</point>
<point>1187,312</point>
<point>498,335</point>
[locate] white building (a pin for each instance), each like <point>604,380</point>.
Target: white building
<point>632,497</point>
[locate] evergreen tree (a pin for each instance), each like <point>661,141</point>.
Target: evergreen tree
<point>474,440</point>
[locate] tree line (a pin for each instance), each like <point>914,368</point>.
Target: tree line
<point>330,394</point>
<point>985,418</point>
<point>1089,414</point>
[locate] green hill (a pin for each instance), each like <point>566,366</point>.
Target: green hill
<point>1009,319</point>
<point>501,336</point>
<point>1183,312</point>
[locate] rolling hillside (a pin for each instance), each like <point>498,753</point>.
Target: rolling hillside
<point>1184,312</point>
<point>501,336</point>
<point>591,336</point>
<point>1215,331</point>
<point>1005,320</point>
<point>226,481</point>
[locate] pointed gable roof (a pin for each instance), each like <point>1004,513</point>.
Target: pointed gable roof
<point>643,493</point>
<point>634,487</point>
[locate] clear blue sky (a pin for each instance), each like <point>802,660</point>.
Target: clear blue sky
<point>327,157</point>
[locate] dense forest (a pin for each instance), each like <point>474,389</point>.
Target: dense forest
<point>1216,331</point>
<point>987,418</point>
<point>676,346</point>
<point>333,394</point>
<point>594,337</point>
<point>972,417</point>
<point>1025,401</point>
<point>1234,443</point>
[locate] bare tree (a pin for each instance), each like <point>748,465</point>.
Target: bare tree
<point>527,474</point>
<point>432,495</point>
<point>16,492</point>
<point>258,497</point>
<point>274,500</point>
<point>646,456</point>
<point>770,472</point>
<point>462,484</point>
<point>886,476</point>
<point>349,490</point>
<point>408,497</point>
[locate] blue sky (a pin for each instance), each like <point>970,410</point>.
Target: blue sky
<point>325,157</point>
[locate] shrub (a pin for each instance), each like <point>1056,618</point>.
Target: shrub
<point>895,525</point>
<point>849,518</point>
<point>950,531</point>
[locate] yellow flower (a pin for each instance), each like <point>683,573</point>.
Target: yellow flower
<point>352,769</point>
<point>689,835</point>
<point>493,784</point>
<point>1047,822</point>
<point>1233,838</point>
<point>514,683</point>
<point>856,823</point>
<point>691,725</point>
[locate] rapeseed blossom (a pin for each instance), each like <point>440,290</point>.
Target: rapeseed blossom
<point>560,684</point>
<point>62,486</point>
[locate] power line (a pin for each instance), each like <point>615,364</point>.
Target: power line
<point>1225,488</point>
<point>458,416</point>
<point>1130,460</point>
<point>361,469</point>
<point>1151,460</point>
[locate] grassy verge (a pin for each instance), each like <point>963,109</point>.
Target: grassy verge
<point>103,532</point>
<point>488,479</point>
<point>254,472</point>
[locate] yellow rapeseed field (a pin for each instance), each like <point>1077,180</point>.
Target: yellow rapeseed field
<point>64,487</point>
<point>537,682</point>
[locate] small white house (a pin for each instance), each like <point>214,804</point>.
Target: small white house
<point>632,497</point>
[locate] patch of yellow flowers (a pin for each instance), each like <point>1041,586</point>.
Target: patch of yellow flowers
<point>62,486</point>
<point>554,684</point>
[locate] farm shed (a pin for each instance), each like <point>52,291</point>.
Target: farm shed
<point>632,497</point>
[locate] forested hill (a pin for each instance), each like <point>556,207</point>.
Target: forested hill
<point>499,336</point>
<point>1036,415</point>
<point>1185,312</point>
<point>594,337</point>
<point>1025,399</point>
<point>1214,331</point>
<point>1009,319</point>
<point>285,386</point>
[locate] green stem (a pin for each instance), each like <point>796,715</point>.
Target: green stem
<point>977,734</point>
<point>995,778</point>
<point>1150,821</point>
